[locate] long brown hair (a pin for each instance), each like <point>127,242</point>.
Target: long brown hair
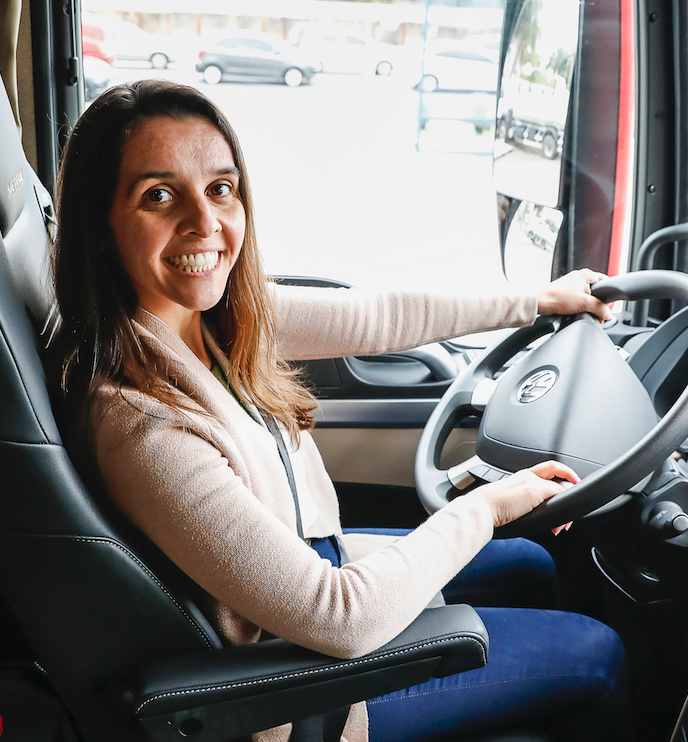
<point>97,342</point>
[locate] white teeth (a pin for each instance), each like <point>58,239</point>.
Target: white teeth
<point>196,262</point>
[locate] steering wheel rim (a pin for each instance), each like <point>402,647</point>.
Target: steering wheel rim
<point>597,489</point>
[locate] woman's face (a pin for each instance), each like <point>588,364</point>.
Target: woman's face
<point>177,220</point>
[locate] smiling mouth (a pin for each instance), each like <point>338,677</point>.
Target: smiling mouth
<point>195,262</point>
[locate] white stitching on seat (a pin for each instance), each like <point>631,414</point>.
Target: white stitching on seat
<point>131,555</point>
<point>349,663</point>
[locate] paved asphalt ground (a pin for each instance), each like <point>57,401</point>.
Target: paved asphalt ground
<point>342,192</point>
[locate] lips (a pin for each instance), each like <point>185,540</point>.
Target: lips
<point>195,262</point>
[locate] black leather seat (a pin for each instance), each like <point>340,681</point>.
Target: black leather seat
<point>114,627</point>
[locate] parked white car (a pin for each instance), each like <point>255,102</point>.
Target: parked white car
<point>136,45</point>
<point>343,50</point>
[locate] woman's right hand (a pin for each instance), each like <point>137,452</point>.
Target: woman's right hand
<point>514,496</point>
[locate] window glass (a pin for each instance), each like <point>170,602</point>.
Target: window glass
<point>256,44</point>
<point>368,163</point>
<point>530,244</point>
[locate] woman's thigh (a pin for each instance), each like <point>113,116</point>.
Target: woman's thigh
<point>513,572</point>
<point>562,670</point>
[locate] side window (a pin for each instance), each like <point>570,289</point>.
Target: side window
<point>369,162</point>
<point>256,44</point>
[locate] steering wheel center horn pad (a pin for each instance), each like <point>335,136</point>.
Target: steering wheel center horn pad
<point>573,398</point>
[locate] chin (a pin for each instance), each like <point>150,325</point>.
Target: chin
<point>205,305</point>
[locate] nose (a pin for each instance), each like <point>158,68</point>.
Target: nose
<point>199,217</point>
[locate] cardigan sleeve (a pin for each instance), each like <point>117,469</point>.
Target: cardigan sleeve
<point>172,481</point>
<point>336,322</point>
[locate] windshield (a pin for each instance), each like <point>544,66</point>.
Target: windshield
<point>368,137</point>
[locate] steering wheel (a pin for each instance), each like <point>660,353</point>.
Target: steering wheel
<point>572,398</point>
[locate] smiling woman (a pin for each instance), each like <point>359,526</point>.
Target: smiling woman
<point>172,184</point>
<point>172,374</point>
<point>177,220</point>
<point>198,263</point>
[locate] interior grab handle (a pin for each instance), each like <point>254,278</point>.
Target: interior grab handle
<point>436,358</point>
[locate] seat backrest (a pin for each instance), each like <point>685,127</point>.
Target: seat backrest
<point>93,597</point>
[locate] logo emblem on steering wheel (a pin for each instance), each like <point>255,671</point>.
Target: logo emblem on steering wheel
<point>536,385</point>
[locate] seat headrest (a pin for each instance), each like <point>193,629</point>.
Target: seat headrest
<point>13,167</point>
<point>27,224</point>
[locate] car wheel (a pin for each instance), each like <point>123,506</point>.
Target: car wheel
<point>159,61</point>
<point>429,84</point>
<point>212,74</point>
<point>384,68</point>
<point>293,77</point>
<point>503,130</point>
<point>549,146</point>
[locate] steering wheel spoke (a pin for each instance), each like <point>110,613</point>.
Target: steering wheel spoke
<point>463,476</point>
<point>467,396</point>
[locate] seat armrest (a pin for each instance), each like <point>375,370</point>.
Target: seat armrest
<point>233,692</point>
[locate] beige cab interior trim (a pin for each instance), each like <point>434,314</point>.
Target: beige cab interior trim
<point>384,456</point>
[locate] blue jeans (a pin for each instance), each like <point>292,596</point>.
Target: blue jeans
<point>560,672</point>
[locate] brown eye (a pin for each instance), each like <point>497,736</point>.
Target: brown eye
<point>221,189</point>
<point>159,195</point>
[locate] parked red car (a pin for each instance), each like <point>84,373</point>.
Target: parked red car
<point>97,39</point>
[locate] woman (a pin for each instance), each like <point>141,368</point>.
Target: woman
<point>171,356</point>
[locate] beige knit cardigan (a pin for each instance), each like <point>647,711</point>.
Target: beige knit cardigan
<point>212,493</point>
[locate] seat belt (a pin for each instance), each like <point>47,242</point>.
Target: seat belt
<point>327,727</point>
<point>286,460</point>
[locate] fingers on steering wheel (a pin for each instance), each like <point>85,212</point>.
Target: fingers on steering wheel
<point>556,531</point>
<point>593,276</point>
<point>555,469</point>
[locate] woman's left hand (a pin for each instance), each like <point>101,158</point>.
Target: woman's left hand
<point>570,294</point>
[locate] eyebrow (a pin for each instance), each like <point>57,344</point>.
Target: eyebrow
<point>164,174</point>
